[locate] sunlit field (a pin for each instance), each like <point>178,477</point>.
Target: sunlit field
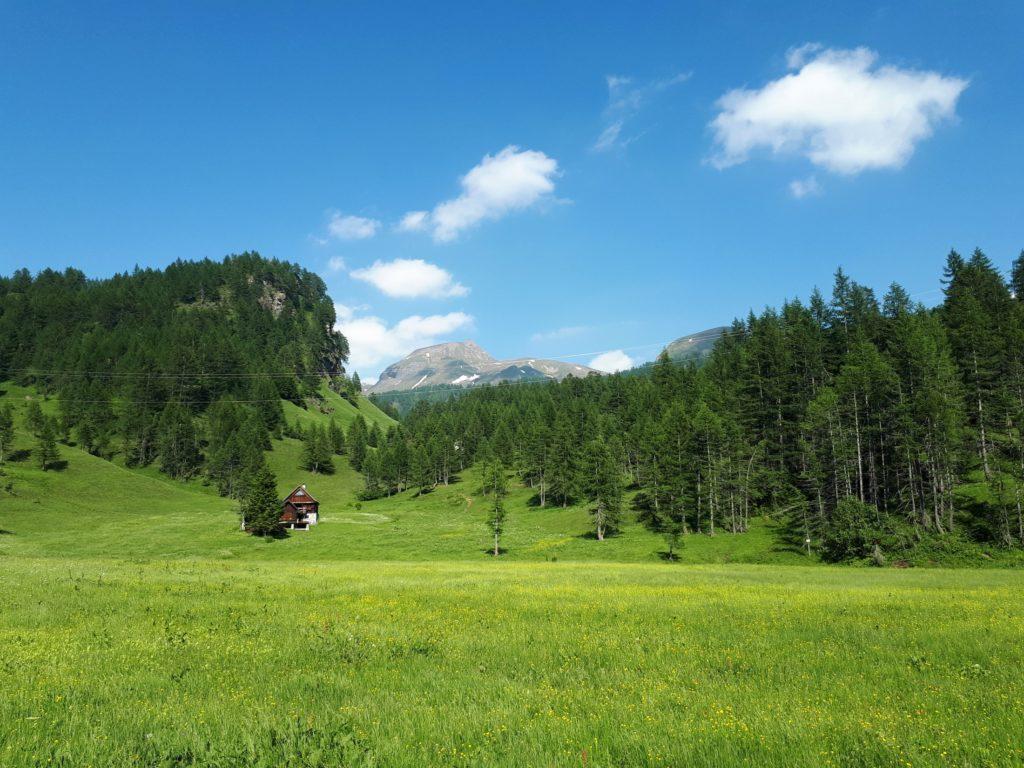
<point>141,627</point>
<point>120,663</point>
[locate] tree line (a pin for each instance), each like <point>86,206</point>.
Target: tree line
<point>869,425</point>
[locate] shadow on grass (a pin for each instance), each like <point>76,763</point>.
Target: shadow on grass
<point>20,455</point>
<point>592,536</point>
<point>490,551</point>
<point>5,532</point>
<point>56,466</point>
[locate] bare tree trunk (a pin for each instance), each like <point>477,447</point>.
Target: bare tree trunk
<point>860,457</point>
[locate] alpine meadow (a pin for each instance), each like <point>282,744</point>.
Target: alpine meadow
<point>442,473</point>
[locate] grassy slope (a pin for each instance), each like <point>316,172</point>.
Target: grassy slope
<point>143,628</point>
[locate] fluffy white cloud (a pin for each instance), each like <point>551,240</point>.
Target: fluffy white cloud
<point>610,362</point>
<point>801,188</point>
<point>336,264</point>
<point>511,180</point>
<point>410,278</point>
<point>625,100</point>
<point>351,227</point>
<point>838,109</point>
<point>373,343</point>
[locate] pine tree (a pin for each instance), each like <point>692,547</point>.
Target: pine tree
<point>562,475</point>
<point>177,443</point>
<point>337,437</point>
<point>267,401</point>
<point>261,508</point>
<point>496,490</point>
<point>422,468</point>
<point>6,430</point>
<point>46,445</point>
<point>603,486</point>
<point>34,418</point>
<point>1017,277</point>
<point>316,451</point>
<point>374,438</point>
<point>357,443</point>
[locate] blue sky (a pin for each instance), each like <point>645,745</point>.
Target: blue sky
<point>585,177</point>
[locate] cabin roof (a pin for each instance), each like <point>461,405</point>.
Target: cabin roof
<point>304,495</point>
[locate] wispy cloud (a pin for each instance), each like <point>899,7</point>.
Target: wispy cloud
<point>625,100</point>
<point>837,108</point>
<point>557,334</point>
<point>336,264</point>
<point>801,188</point>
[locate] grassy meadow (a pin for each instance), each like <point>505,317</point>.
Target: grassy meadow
<point>142,628</point>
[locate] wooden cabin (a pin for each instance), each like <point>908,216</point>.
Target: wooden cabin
<point>299,510</point>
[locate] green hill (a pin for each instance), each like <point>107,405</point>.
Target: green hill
<point>101,508</point>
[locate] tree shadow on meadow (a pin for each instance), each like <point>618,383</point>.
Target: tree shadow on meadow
<point>23,454</point>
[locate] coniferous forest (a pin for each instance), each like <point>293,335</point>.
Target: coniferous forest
<point>183,368</point>
<point>868,424</point>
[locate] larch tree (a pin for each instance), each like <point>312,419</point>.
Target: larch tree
<point>495,488</point>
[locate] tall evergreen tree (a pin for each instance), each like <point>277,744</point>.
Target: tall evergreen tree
<point>496,490</point>
<point>603,486</point>
<point>6,430</point>
<point>177,443</point>
<point>46,445</point>
<point>261,508</point>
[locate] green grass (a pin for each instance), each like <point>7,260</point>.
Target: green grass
<point>140,627</point>
<point>118,663</point>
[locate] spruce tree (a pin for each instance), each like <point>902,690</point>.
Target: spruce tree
<point>34,418</point>
<point>337,437</point>
<point>177,443</point>
<point>316,451</point>
<point>1017,277</point>
<point>261,508</point>
<point>46,445</point>
<point>357,443</point>
<point>6,430</point>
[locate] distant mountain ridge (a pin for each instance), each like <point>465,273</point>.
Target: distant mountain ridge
<point>466,364</point>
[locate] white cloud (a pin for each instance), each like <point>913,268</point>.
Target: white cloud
<point>414,221</point>
<point>610,362</point>
<point>625,100</point>
<point>801,188</point>
<point>336,264</point>
<point>566,332</point>
<point>373,343</point>
<point>351,227</point>
<point>511,180</point>
<point>838,109</point>
<point>410,278</point>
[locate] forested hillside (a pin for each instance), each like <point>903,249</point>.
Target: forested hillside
<point>186,369</point>
<point>872,426</point>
